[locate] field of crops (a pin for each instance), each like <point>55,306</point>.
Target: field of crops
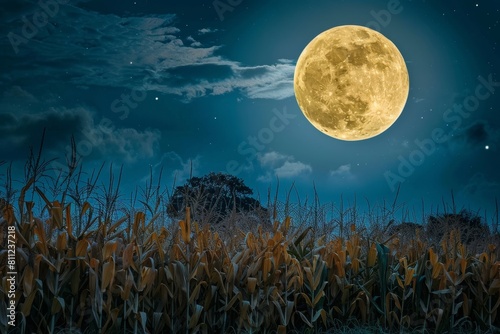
<point>142,278</point>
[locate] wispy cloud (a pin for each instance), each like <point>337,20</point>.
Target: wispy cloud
<point>292,169</point>
<point>131,144</point>
<point>180,169</point>
<point>193,42</point>
<point>207,31</point>
<point>280,165</point>
<point>91,48</point>
<point>481,188</point>
<point>17,94</point>
<point>270,159</point>
<point>343,172</point>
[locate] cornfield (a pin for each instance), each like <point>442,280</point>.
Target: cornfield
<point>141,280</point>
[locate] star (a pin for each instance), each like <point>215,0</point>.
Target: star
<point>487,147</point>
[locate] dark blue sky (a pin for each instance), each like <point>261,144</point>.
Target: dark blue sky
<point>207,86</point>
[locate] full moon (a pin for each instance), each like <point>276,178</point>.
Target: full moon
<point>351,82</point>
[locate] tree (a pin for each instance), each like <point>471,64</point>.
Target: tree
<point>212,198</point>
<point>469,225</point>
<point>405,231</point>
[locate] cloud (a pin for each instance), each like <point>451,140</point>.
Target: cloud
<point>193,42</point>
<point>130,144</point>
<point>180,170</point>
<point>17,94</point>
<point>476,134</point>
<point>134,52</point>
<point>480,188</point>
<point>207,31</point>
<point>292,169</point>
<point>276,164</point>
<point>342,172</point>
<point>271,158</point>
<point>266,178</point>
<point>256,82</point>
<point>273,81</point>
<point>21,130</point>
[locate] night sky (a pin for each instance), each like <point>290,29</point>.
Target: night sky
<point>207,86</point>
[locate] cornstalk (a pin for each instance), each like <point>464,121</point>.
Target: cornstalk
<point>125,310</point>
<point>56,292</point>
<point>225,312</point>
<point>187,239</point>
<point>402,309</point>
<point>489,312</point>
<point>188,286</point>
<point>452,320</point>
<point>172,307</point>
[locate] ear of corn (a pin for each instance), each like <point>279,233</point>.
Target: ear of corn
<point>285,280</point>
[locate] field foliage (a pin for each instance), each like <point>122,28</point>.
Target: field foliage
<point>93,266</point>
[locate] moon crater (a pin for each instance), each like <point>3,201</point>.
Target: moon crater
<point>351,82</point>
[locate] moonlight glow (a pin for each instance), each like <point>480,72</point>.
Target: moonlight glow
<point>351,82</point>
